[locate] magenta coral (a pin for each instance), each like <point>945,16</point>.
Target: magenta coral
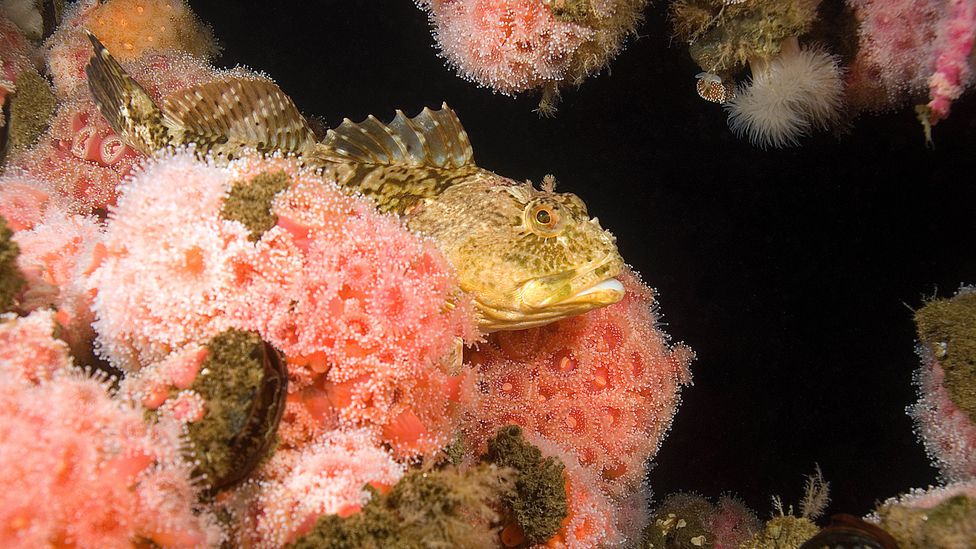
<point>953,64</point>
<point>908,47</point>
<point>508,45</point>
<point>80,470</point>
<point>328,476</point>
<point>603,384</point>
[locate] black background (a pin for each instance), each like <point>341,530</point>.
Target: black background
<point>790,272</point>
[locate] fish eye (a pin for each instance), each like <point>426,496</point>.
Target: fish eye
<point>544,218</point>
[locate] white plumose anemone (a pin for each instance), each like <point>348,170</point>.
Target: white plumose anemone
<point>791,94</point>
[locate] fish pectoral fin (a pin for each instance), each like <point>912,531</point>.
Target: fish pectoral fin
<point>433,139</point>
<point>239,112</point>
<point>129,110</point>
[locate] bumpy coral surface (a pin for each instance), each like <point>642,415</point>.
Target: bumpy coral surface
<point>603,384</point>
<point>80,470</point>
<point>725,35</point>
<point>518,45</point>
<point>936,517</point>
<point>592,516</point>
<point>329,476</point>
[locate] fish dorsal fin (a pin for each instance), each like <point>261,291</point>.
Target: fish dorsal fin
<point>238,112</point>
<point>431,139</point>
<point>124,103</point>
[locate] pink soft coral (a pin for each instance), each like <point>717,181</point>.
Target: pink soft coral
<point>365,311</point>
<point>29,352</point>
<point>328,476</point>
<point>508,45</point>
<point>947,431</point>
<point>603,384</point>
<point>80,470</point>
<point>592,517</point>
<point>167,278</point>
<point>14,58</point>
<point>908,47</point>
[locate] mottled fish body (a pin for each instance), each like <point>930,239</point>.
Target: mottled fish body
<point>527,256</point>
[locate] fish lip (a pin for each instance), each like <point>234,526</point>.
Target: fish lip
<point>589,286</point>
<point>576,291</point>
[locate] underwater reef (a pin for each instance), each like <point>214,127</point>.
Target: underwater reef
<point>222,325</point>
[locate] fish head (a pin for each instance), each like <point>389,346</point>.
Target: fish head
<point>526,256</point>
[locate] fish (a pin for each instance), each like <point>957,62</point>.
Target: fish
<point>527,256</point>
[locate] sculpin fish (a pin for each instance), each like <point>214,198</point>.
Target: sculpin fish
<point>527,256</point>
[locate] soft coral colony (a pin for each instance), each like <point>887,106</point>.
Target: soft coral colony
<point>267,359</point>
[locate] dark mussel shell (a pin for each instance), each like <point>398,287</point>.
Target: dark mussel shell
<point>257,435</point>
<point>850,532</point>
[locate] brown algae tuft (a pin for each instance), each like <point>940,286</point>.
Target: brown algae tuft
<point>249,201</point>
<point>11,280</point>
<point>539,501</point>
<point>947,328</point>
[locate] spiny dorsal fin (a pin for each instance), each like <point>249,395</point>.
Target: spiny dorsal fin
<point>231,114</point>
<point>124,103</point>
<point>431,139</point>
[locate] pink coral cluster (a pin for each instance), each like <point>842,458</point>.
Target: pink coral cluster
<point>366,312</point>
<point>591,521</point>
<point>29,351</point>
<point>908,47</point>
<point>79,469</point>
<point>329,476</point>
<point>57,249</point>
<point>509,45</point>
<point>167,277</point>
<point>604,385</point>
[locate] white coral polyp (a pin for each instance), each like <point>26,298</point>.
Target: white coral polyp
<point>798,91</point>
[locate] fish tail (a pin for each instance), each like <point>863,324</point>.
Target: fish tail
<point>126,106</point>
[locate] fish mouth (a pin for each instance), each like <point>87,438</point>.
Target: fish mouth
<point>550,298</point>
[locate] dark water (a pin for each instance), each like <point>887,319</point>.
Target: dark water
<point>791,273</point>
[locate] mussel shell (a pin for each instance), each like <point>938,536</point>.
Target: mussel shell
<point>850,532</point>
<point>262,422</point>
